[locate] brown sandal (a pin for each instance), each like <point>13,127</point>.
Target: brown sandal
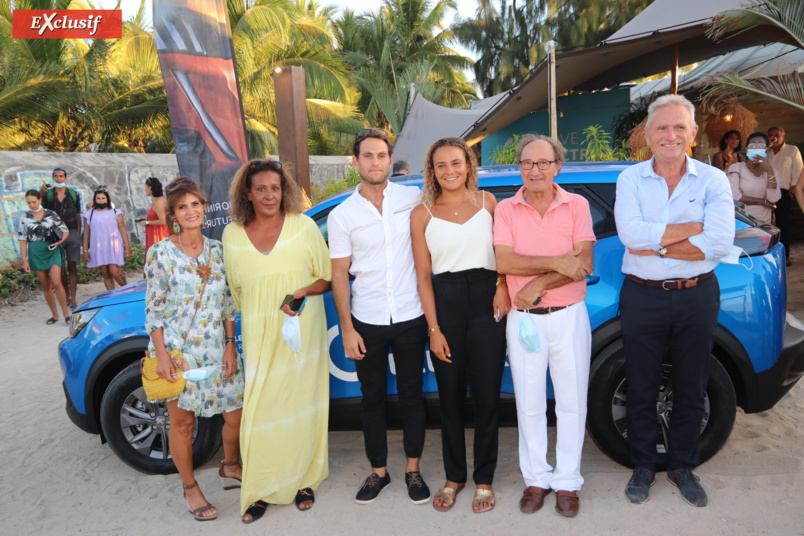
<point>198,511</point>
<point>228,482</point>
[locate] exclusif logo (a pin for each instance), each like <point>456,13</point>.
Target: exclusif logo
<point>67,24</point>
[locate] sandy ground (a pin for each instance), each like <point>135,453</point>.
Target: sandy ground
<point>57,479</point>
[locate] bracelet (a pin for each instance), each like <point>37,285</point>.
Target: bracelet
<point>432,329</point>
<point>228,340</point>
<point>500,279</point>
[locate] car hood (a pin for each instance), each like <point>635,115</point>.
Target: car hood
<point>129,293</point>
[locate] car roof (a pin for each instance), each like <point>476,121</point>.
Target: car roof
<point>509,175</point>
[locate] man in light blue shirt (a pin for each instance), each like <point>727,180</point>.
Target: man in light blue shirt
<point>675,217</point>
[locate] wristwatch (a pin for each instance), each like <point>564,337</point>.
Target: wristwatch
<point>662,252</point>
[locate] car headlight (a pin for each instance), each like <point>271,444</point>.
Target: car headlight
<point>80,319</point>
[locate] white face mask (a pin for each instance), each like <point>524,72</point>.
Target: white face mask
<point>291,333</point>
<point>733,257</point>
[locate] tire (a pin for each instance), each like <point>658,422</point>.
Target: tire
<point>137,430</point>
<point>607,423</point>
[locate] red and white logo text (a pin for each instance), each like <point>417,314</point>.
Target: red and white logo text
<point>67,24</point>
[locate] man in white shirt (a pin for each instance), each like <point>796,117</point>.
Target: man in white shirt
<point>369,237</point>
<point>675,216</point>
<point>786,159</point>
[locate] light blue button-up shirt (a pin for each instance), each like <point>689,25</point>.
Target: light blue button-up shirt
<point>644,208</point>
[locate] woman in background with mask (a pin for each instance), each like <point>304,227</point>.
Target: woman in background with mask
<point>272,250</point>
<point>189,309</point>
<point>754,182</point>
<point>105,239</point>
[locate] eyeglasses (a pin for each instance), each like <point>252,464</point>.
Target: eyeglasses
<point>367,131</point>
<point>175,184</point>
<point>58,169</point>
<point>541,164</point>
<point>259,165</point>
<point>760,145</point>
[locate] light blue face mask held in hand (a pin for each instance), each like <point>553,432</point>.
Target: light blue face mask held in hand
<point>291,333</point>
<point>529,334</point>
<point>199,374</point>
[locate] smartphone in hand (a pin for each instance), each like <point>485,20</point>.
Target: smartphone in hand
<point>296,304</point>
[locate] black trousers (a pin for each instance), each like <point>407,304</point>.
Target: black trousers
<point>407,341</point>
<point>783,208</point>
<point>677,327</point>
<point>464,304</point>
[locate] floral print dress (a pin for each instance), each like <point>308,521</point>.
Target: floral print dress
<point>174,286</point>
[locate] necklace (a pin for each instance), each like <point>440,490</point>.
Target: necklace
<point>204,270</point>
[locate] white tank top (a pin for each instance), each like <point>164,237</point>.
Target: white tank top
<point>456,247</point>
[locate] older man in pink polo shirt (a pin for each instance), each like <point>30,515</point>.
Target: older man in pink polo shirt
<point>544,244</point>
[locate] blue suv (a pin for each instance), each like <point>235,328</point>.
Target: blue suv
<point>757,356</point>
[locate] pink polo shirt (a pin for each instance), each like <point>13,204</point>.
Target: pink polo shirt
<point>521,227</point>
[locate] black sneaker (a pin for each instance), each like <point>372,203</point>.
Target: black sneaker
<point>637,490</point>
<point>689,486</point>
<point>418,491</point>
<point>371,488</point>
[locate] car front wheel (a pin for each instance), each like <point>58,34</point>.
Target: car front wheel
<point>607,420</point>
<point>137,430</point>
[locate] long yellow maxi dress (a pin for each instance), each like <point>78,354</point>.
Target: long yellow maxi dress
<point>283,436</point>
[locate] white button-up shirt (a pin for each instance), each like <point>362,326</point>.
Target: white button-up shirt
<point>787,162</point>
<point>644,208</point>
<point>385,288</point>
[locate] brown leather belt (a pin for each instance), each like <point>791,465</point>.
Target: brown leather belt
<point>542,310</point>
<point>672,284</point>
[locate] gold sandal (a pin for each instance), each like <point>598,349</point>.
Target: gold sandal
<point>483,496</point>
<point>448,496</point>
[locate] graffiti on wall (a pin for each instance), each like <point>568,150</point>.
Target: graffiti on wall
<point>13,205</point>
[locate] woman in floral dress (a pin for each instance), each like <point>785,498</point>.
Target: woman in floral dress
<point>189,308</point>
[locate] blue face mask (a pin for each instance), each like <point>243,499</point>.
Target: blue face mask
<point>751,153</point>
<point>199,374</point>
<point>291,333</point>
<point>529,334</point>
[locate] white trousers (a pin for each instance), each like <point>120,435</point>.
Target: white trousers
<point>566,344</point>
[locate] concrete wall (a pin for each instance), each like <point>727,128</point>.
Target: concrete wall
<point>124,175</point>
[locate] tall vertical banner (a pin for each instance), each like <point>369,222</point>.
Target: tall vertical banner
<point>194,43</point>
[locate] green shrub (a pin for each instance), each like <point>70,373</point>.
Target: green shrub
<point>13,280</point>
<point>599,147</point>
<point>333,186</point>
<point>506,154</point>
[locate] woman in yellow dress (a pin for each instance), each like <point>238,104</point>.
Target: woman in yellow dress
<point>272,250</point>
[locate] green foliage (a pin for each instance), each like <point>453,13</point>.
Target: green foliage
<point>333,186</point>
<point>13,281</point>
<point>506,154</point>
<point>509,37</point>
<point>599,146</point>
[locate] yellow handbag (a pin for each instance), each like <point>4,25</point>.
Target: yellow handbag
<point>156,387</point>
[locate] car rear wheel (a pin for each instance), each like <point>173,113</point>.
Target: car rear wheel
<point>607,420</point>
<point>137,430</point>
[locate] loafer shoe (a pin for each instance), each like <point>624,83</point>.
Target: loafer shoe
<point>372,487</point>
<point>567,503</point>
<point>532,499</point>
<point>418,491</point>
<point>637,490</point>
<point>688,485</point>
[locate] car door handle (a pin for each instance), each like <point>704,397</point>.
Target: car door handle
<point>592,279</point>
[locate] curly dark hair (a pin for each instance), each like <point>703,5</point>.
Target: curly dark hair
<point>431,189</point>
<point>242,210</point>
<point>723,140</point>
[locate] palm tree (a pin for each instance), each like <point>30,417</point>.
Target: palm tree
<point>509,37</point>
<point>786,17</point>
<point>404,42</point>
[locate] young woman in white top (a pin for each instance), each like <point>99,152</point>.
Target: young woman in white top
<point>465,304</point>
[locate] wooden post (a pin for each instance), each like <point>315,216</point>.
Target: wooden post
<point>291,122</point>
<point>550,48</point>
<point>674,72</point>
